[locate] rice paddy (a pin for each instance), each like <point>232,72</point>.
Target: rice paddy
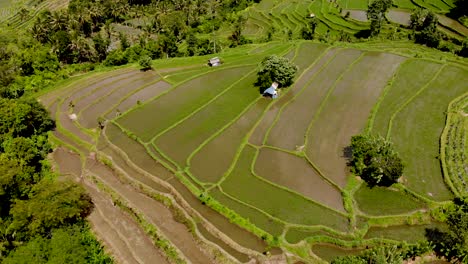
<point>265,171</point>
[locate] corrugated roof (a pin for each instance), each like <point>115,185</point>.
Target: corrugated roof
<point>270,90</point>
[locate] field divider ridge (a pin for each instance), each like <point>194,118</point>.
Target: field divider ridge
<point>423,88</point>
<point>319,111</point>
<point>277,117</point>
<point>217,133</point>
<point>176,86</point>
<point>130,94</point>
<point>287,189</point>
<point>167,199</point>
<point>386,90</point>
<point>202,106</point>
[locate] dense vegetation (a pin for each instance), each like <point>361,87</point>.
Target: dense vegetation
<point>375,160</point>
<point>276,69</point>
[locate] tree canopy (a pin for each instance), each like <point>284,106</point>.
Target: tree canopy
<point>376,14</point>
<point>375,160</point>
<point>276,69</point>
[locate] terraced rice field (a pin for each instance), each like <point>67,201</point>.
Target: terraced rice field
<point>253,170</point>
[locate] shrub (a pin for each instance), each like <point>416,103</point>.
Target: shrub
<point>115,58</point>
<point>145,62</point>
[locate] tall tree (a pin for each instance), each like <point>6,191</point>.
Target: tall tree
<point>376,14</point>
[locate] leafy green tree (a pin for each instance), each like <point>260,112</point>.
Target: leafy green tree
<point>145,62</point>
<point>74,244</point>
<point>308,32</point>
<point>116,58</point>
<point>236,37</point>
<point>100,46</point>
<point>376,14</point>
<point>23,118</point>
<point>276,69</point>
<point>453,243</point>
<point>375,160</point>
<point>124,44</point>
<point>52,204</point>
<point>349,260</point>
<point>417,18</point>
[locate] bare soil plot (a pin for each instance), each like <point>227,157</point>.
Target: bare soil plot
<point>416,132</point>
<point>141,96</point>
<point>210,237</point>
<point>297,174</point>
<point>136,152</point>
<point>359,15</point>
<point>49,97</point>
<point>69,125</point>
<point>291,128</point>
<point>156,213</point>
<point>120,160</point>
<point>183,139</point>
<point>276,201</point>
<point>119,232</point>
<point>453,24</point>
<point>404,86</point>
<point>399,16</point>
<point>125,237</point>
<point>69,162</point>
<point>258,135</point>
<point>259,219</point>
<point>89,115</point>
<point>345,112</point>
<point>215,158</point>
<point>157,115</point>
<point>385,201</point>
<point>234,232</point>
<point>82,97</point>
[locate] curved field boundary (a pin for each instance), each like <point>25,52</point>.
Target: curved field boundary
<point>454,147</point>
<point>407,102</point>
<point>414,126</point>
<point>402,87</point>
<point>283,195</point>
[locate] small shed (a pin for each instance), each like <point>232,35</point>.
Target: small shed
<point>73,117</point>
<point>311,15</point>
<point>271,91</point>
<point>213,62</point>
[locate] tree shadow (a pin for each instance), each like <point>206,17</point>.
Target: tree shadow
<point>347,154</point>
<point>365,33</point>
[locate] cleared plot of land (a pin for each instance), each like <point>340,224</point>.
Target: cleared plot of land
<point>89,116</point>
<point>385,201</point>
<point>141,96</point>
<point>136,152</point>
<point>234,232</point>
<point>296,174</point>
<point>404,86</point>
<point>345,112</point>
<point>209,164</point>
<point>289,131</point>
<point>417,128</point>
<point>183,139</point>
<point>275,201</point>
<point>82,97</point>
<point>155,212</point>
<point>406,232</point>
<point>307,53</point>
<point>157,115</point>
<point>257,218</point>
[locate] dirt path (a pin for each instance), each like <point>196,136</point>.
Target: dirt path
<point>156,213</point>
<point>120,234</point>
